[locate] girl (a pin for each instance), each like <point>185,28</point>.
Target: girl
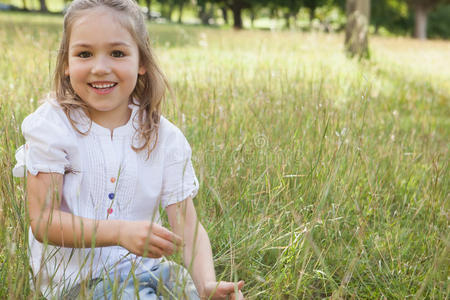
<point>100,159</point>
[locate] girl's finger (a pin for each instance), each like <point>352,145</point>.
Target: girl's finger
<point>240,284</point>
<point>167,247</point>
<point>230,287</point>
<point>166,234</point>
<point>154,252</point>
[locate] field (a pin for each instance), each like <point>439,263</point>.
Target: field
<point>320,176</point>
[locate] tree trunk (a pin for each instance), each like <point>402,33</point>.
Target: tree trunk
<point>224,14</point>
<point>170,12</point>
<point>212,8</point>
<point>356,30</point>
<point>312,14</point>
<point>149,5</point>
<point>180,12</point>
<point>237,15</point>
<point>273,13</point>
<point>295,19</point>
<point>287,18</point>
<point>420,22</point>
<point>43,6</point>
<point>252,17</point>
<point>377,28</point>
<point>203,15</point>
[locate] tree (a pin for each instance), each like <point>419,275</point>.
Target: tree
<point>43,6</point>
<point>204,13</point>
<point>168,7</point>
<point>224,11</point>
<point>237,6</point>
<point>149,6</point>
<point>170,10</point>
<point>390,14</point>
<point>292,7</point>
<point>312,5</point>
<point>356,30</point>
<point>253,10</point>
<point>181,4</point>
<point>421,9</point>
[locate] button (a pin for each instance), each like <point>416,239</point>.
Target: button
<point>110,211</point>
<point>111,196</point>
<point>154,268</point>
<point>113,179</point>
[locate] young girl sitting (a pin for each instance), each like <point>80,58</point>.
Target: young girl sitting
<point>100,159</point>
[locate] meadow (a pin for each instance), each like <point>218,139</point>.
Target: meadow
<point>320,176</point>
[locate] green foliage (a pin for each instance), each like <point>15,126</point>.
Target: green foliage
<point>390,14</point>
<point>439,22</point>
<point>319,176</point>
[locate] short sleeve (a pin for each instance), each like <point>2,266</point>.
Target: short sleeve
<point>179,180</point>
<point>47,143</point>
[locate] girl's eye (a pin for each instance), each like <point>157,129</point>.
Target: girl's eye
<point>117,53</point>
<point>84,54</point>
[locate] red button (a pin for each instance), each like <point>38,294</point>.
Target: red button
<point>113,179</point>
<point>110,210</point>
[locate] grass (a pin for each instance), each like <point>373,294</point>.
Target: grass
<point>320,177</point>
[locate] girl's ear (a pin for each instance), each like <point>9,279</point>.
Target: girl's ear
<point>66,71</point>
<point>142,70</point>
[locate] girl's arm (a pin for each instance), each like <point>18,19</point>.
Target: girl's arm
<point>197,252</point>
<point>50,224</point>
<point>56,227</point>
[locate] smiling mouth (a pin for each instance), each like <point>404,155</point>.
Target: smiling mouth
<point>102,86</point>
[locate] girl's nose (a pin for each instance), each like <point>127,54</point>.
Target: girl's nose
<point>101,66</point>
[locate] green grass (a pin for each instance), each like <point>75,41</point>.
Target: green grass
<point>319,176</point>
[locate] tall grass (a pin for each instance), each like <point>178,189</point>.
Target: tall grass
<point>319,176</point>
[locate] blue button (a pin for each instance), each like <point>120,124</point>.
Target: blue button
<point>154,268</point>
<point>111,196</point>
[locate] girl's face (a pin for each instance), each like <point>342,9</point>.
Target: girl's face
<point>103,63</point>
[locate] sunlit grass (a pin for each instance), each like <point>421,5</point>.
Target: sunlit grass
<point>320,176</point>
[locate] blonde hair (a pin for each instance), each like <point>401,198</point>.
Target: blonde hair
<point>150,87</point>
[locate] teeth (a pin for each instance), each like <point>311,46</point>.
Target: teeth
<point>102,86</point>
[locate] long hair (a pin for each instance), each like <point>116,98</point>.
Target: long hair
<point>150,87</point>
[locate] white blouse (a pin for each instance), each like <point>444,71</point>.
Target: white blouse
<point>104,178</point>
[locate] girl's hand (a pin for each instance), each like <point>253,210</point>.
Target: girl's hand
<point>223,290</point>
<point>148,239</point>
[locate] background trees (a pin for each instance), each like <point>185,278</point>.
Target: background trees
<point>237,7</point>
<point>419,18</point>
<point>421,10</point>
<point>312,5</point>
<point>290,9</point>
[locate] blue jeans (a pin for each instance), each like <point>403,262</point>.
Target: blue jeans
<point>166,280</point>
